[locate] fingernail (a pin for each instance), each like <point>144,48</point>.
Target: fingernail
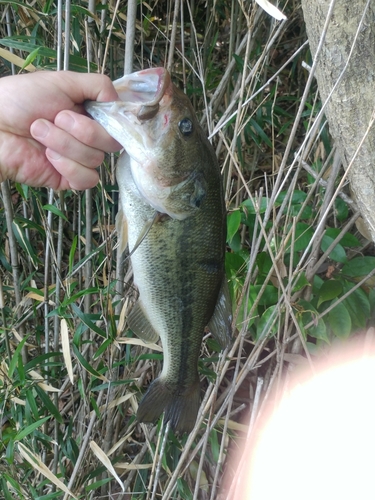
<point>65,121</point>
<point>40,129</point>
<point>53,155</point>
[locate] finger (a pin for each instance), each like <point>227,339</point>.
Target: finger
<point>64,144</point>
<point>73,174</point>
<point>82,86</point>
<point>86,131</point>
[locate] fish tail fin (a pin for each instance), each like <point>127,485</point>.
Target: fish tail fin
<point>180,406</point>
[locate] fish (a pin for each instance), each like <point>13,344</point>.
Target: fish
<point>173,219</point>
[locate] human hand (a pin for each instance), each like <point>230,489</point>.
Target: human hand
<point>46,138</point>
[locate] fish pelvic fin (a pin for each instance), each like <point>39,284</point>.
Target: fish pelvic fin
<point>140,324</point>
<point>220,324</point>
<point>180,406</point>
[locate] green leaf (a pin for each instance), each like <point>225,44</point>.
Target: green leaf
<point>13,483</point>
<point>244,311</point>
<point>183,489</point>
<point>298,197</point>
<point>30,58</point>
<point>21,370</point>
<point>233,224</point>
<point>258,131</point>
<point>269,296</point>
<point>234,264</point>
<point>75,297</point>
<point>98,484</point>
<point>360,266</point>
<point>329,290</point>
<point>9,454</point>
<point>22,222</point>
<point>30,428</point>
<point>72,253</point>
<point>303,235</point>
<point>341,209</point>
<point>77,9</point>
<point>56,211</point>
<point>14,361</point>
<point>319,331</point>
<point>215,446</point>
<point>25,243</point>
<point>50,496</point>
<point>235,243</point>
<point>86,365</point>
<point>77,63</point>
<point>254,208</point>
<point>348,240</point>
<point>105,345</point>
<point>371,298</point>
<point>30,398</point>
<point>338,253</point>
<point>306,214</point>
<point>358,305</point>
<point>20,4</point>
<point>267,326</point>
<point>42,360</point>
<point>51,408</point>
<point>317,284</point>
<point>87,321</point>
<point>114,383</point>
<point>305,313</point>
<point>301,282</point>
<point>340,321</point>
<point>95,407</point>
<point>239,61</point>
<point>264,263</point>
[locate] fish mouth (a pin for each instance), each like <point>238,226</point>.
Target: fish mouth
<point>140,95</point>
<point>145,89</point>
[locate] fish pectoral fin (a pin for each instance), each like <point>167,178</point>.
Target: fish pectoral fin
<point>140,325</point>
<point>144,231</point>
<point>122,231</point>
<point>220,324</point>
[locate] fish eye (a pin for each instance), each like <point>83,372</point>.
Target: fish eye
<point>186,127</point>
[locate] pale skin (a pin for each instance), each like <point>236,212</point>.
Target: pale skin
<point>46,138</point>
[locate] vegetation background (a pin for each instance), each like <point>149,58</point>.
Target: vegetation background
<point>300,272</point>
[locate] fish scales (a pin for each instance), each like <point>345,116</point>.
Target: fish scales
<point>178,264</point>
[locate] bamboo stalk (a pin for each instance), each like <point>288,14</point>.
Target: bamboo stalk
<point>172,40</point>
<point>130,36</point>
<point>14,257</point>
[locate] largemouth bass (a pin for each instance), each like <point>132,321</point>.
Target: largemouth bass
<point>172,198</point>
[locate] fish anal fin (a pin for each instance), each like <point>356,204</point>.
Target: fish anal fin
<point>180,407</point>
<point>140,324</point>
<point>122,231</point>
<point>220,324</point>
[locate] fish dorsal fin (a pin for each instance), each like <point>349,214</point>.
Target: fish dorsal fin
<point>220,323</point>
<point>140,324</point>
<point>122,231</point>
